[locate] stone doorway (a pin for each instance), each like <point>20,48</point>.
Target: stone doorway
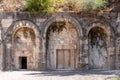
<point>97,48</point>
<point>23,62</point>
<point>61,45</point>
<point>65,59</point>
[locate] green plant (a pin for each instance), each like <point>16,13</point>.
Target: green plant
<point>87,4</point>
<point>42,5</point>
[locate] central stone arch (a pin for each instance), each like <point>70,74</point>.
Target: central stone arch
<point>63,23</point>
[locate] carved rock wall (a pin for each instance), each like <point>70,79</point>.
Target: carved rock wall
<point>96,52</point>
<point>62,38</point>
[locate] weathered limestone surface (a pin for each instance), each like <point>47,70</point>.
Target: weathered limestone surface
<point>24,45</point>
<point>62,44</point>
<point>97,49</point>
<point>35,37</point>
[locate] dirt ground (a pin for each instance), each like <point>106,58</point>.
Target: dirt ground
<point>60,75</point>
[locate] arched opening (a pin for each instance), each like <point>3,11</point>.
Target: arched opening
<point>97,48</point>
<point>24,49</point>
<point>61,46</point>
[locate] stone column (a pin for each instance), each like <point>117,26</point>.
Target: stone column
<point>108,51</point>
<point>1,52</point>
<point>79,53</point>
<point>117,53</point>
<point>42,55</point>
<point>8,56</point>
<point>84,54</point>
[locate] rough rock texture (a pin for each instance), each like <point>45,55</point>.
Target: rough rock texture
<point>11,5</point>
<point>97,48</point>
<point>25,46</point>
<point>62,44</point>
<point>19,5</point>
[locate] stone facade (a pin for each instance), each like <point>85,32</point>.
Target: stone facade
<point>61,41</point>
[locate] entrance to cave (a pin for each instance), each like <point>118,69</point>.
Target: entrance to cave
<point>97,48</point>
<point>23,62</point>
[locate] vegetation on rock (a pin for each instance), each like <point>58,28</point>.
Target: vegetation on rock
<point>87,5</point>
<point>43,5</point>
<point>57,5</point>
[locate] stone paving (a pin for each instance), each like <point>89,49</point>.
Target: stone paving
<point>60,75</point>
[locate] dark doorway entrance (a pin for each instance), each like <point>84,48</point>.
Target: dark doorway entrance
<point>23,62</point>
